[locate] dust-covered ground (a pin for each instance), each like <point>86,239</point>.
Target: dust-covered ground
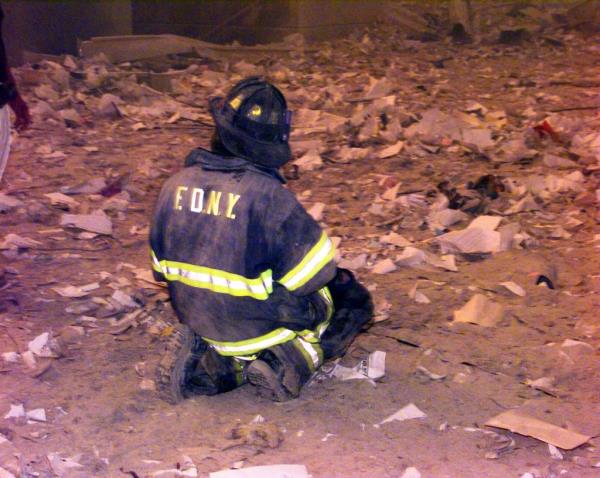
<point>102,416</point>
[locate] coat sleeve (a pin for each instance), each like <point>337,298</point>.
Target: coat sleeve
<point>302,253</point>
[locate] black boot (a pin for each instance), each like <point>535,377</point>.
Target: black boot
<point>190,367</point>
<point>280,371</point>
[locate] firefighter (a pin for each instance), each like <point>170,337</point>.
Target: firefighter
<point>250,273</point>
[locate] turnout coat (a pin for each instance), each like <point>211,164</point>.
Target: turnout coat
<point>229,238</point>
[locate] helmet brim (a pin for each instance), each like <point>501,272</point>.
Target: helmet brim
<point>269,154</point>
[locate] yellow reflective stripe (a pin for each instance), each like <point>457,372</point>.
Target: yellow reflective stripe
<point>322,252</point>
<point>252,346</point>
<point>239,372</point>
<point>216,280</point>
<point>309,336</point>
<point>310,352</point>
<point>324,292</point>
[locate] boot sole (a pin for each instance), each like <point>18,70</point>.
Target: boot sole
<point>260,375</point>
<point>170,372</point>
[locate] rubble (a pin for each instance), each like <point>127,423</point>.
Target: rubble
<point>398,152</point>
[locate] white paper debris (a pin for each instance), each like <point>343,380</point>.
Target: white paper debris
<point>98,223</point>
<point>489,223</point>
<point>417,295</point>
<point>395,239</point>
<point>481,311</point>
<point>411,472</point>
<point>411,257</point>
<point>61,466</point>
<point>472,240</point>
<point>16,411</point>
<point>29,359</point>
<point>11,357</point>
<point>392,150</point>
<point>269,471</point>
<point>76,291</point>
<point>384,266</point>
<point>514,288</point>
<point>39,345</point>
<point>372,369</point>
<point>308,162</point>
<point>124,299</point>
<point>357,262</point>
<point>409,412</point>
<point>316,211</point>
<point>376,365</point>
<point>554,452</point>
<point>36,415</point>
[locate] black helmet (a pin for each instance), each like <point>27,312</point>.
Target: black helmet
<point>253,122</point>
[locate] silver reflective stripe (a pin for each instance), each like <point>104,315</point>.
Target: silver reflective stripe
<point>4,138</point>
<point>252,346</point>
<point>321,253</point>
<point>214,279</point>
<point>311,351</point>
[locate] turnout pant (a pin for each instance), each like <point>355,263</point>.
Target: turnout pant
<point>340,310</point>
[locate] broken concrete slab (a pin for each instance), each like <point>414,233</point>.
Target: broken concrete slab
<point>118,49</point>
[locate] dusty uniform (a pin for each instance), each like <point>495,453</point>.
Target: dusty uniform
<point>229,239</point>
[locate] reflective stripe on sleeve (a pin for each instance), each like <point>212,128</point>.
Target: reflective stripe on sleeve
<point>252,346</point>
<point>321,253</point>
<point>215,280</point>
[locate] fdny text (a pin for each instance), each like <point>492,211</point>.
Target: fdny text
<point>213,203</point>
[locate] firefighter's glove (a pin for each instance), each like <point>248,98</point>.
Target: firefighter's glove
<point>348,293</point>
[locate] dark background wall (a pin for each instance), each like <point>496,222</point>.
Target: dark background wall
<point>253,21</point>
<point>216,21</point>
<point>55,26</point>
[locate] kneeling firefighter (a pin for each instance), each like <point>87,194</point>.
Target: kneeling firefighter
<point>250,273</point>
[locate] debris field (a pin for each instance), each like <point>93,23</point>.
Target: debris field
<point>459,177</point>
